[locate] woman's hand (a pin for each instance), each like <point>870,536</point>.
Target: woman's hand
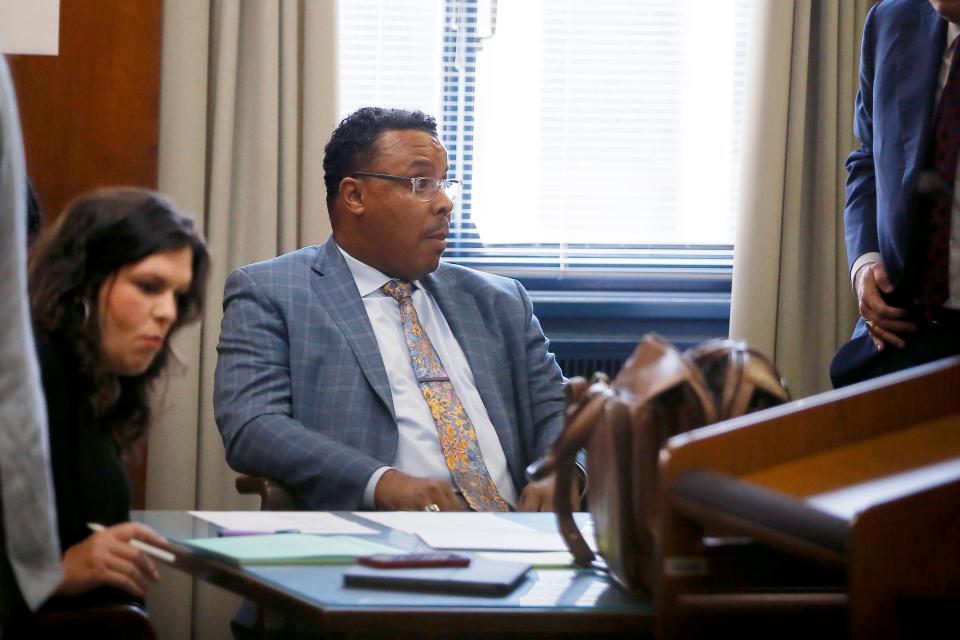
<point>108,558</point>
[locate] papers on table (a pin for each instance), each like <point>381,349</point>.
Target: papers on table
<point>417,521</point>
<point>537,559</point>
<point>465,531</point>
<point>486,540</point>
<point>290,548</point>
<point>480,531</point>
<point>271,521</point>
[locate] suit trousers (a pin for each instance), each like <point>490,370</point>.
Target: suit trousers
<point>859,359</point>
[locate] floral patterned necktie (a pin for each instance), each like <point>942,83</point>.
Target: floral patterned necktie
<point>458,439</point>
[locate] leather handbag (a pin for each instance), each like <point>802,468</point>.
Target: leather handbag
<point>658,393</point>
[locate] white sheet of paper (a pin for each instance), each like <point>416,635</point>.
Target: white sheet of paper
<point>486,540</point>
<point>418,521</point>
<point>270,521</point>
<point>537,559</point>
<point>486,531</point>
<point>30,26</point>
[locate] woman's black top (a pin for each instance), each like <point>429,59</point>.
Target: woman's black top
<point>88,475</point>
<point>89,479</point>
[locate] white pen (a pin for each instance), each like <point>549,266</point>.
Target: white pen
<point>149,549</point>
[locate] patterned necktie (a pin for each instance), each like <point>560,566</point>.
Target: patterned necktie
<point>945,146</point>
<point>457,436</point>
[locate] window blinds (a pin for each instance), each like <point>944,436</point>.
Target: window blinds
<point>590,135</point>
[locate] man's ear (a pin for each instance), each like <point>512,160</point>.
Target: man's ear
<point>351,193</point>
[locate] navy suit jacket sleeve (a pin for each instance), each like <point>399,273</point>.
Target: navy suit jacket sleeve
<point>860,212</point>
<point>253,397</point>
<point>900,61</point>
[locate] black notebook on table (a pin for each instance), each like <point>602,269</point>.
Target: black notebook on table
<point>482,577</point>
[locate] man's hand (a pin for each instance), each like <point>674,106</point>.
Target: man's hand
<point>397,491</point>
<point>885,323</point>
<point>107,558</point>
<point>538,494</point>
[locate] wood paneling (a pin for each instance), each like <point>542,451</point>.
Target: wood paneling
<point>90,115</point>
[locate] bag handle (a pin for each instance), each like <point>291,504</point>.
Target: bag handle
<point>745,371</point>
<point>654,367</point>
<point>663,367</point>
<point>749,370</point>
<point>735,395</point>
<point>585,403</point>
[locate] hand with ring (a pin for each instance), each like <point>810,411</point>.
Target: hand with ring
<point>397,491</point>
<point>887,324</point>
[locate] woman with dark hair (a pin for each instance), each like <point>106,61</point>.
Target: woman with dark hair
<point>110,284</point>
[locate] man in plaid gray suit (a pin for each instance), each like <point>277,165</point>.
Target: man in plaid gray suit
<point>314,385</point>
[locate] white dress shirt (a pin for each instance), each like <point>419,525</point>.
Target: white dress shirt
<point>953,297</point>
<point>418,451</point>
<point>28,518</point>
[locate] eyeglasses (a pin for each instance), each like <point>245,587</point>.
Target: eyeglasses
<point>423,189</point>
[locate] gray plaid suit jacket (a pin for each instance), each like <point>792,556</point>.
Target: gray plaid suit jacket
<point>301,394</point>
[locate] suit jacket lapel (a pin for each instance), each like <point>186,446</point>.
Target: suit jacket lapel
<point>919,45</point>
<point>469,327</point>
<point>338,294</point>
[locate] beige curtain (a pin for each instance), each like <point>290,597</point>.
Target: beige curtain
<point>791,289</point>
<point>248,99</point>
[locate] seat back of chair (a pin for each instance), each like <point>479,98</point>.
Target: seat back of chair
<point>273,495</point>
<point>110,622</point>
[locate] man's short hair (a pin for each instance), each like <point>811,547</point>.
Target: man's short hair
<point>353,142</point>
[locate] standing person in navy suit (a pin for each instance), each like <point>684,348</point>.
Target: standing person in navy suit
<point>364,373</point>
<point>902,215</point>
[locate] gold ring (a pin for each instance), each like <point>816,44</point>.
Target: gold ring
<point>870,324</point>
<point>434,508</point>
